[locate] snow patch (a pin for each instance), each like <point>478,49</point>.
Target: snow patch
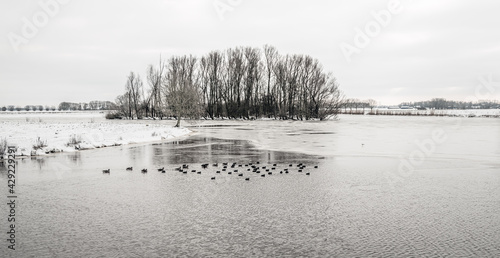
<point>71,137</point>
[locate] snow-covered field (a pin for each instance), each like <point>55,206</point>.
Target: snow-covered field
<point>44,133</point>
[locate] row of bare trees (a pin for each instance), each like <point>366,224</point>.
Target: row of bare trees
<point>358,104</point>
<point>241,82</point>
<point>441,103</point>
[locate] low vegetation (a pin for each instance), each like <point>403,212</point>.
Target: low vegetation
<point>3,147</point>
<point>39,144</point>
<point>74,140</point>
<point>114,115</point>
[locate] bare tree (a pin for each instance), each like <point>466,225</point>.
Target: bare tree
<point>180,88</point>
<point>330,98</point>
<point>211,80</point>
<point>232,92</point>
<point>124,107</point>
<point>251,78</point>
<point>271,56</point>
<point>281,93</point>
<point>236,83</point>
<point>155,77</point>
<point>134,91</point>
<point>371,104</point>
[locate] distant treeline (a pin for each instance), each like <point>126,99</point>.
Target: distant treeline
<point>350,105</point>
<point>65,106</point>
<point>242,82</point>
<point>92,105</point>
<point>440,103</point>
<point>28,108</point>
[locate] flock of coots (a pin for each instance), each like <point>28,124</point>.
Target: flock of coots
<point>235,168</point>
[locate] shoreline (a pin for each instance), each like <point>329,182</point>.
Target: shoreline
<point>105,147</point>
<point>54,134</point>
<point>46,136</point>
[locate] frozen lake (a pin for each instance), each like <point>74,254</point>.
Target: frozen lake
<point>384,186</point>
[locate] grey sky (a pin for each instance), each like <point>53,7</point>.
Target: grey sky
<point>86,50</point>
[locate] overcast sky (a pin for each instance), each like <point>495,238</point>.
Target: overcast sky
<point>86,48</point>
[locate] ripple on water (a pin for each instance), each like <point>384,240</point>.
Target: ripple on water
<point>346,207</point>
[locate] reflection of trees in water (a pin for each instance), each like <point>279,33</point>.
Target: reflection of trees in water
<point>75,158</point>
<point>3,168</point>
<point>136,152</point>
<point>40,162</point>
<point>213,150</point>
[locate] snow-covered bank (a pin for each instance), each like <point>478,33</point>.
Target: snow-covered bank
<point>41,137</point>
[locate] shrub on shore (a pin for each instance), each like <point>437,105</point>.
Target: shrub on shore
<point>39,144</point>
<point>3,147</point>
<point>74,140</point>
<point>114,115</point>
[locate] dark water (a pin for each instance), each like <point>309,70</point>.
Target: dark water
<point>348,207</point>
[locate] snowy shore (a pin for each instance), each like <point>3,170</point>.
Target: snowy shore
<point>42,134</point>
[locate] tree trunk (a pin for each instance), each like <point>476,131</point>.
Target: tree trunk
<point>178,121</point>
